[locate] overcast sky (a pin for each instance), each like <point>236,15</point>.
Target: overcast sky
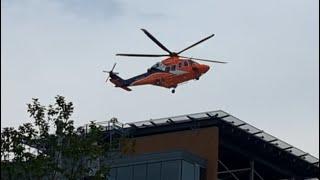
<point>58,47</point>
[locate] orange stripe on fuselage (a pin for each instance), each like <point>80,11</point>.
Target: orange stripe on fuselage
<point>172,79</point>
<point>164,79</point>
<point>151,79</point>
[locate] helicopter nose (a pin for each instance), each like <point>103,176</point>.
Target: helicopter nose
<point>204,68</point>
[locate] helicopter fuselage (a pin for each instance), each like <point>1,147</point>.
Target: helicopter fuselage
<point>168,73</point>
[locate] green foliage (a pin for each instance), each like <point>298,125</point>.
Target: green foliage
<point>51,147</point>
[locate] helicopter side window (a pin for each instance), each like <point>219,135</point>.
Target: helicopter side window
<point>173,68</point>
<point>191,62</point>
<point>167,69</point>
<point>185,63</point>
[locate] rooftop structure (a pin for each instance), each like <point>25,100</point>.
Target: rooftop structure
<point>243,150</point>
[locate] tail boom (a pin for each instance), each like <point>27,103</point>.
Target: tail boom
<point>119,82</point>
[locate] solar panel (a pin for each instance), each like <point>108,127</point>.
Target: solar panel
<point>250,129</point>
<point>233,120</point>
<point>225,117</point>
<point>281,144</point>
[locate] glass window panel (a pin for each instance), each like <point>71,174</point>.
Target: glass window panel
<point>112,174</point>
<point>170,170</point>
<point>173,68</point>
<point>188,171</point>
<point>140,172</point>
<point>124,173</point>
<point>197,172</point>
<point>202,173</point>
<point>153,172</point>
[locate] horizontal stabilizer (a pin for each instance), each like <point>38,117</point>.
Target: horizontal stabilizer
<point>126,88</point>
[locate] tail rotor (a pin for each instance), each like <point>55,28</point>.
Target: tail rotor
<point>110,72</point>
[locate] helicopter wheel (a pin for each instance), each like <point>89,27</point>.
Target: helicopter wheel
<point>173,91</point>
<point>197,78</point>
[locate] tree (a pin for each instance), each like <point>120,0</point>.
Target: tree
<point>52,148</point>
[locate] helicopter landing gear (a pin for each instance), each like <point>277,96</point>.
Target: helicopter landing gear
<point>173,90</point>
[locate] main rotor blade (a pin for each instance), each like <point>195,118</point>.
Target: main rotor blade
<point>113,66</point>
<point>196,43</point>
<point>207,60</point>
<point>156,41</point>
<point>143,55</point>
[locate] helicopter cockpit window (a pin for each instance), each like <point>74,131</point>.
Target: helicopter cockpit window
<point>156,65</point>
<point>159,66</point>
<point>191,62</point>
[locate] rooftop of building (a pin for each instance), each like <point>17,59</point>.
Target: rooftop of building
<point>238,136</point>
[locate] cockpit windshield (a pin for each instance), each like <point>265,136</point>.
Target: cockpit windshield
<point>159,66</point>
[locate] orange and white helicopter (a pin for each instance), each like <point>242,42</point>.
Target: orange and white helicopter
<point>168,73</point>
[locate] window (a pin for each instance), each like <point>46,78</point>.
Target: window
<point>139,172</point>
<point>154,171</point>
<point>202,173</point>
<point>191,62</point>
<point>112,174</point>
<point>173,68</point>
<point>197,173</point>
<point>170,170</point>
<point>158,169</point>
<point>124,173</point>
<point>185,63</point>
<point>188,171</point>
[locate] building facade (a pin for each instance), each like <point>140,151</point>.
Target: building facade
<point>207,146</point>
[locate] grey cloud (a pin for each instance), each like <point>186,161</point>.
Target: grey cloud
<point>93,9</point>
<point>151,16</point>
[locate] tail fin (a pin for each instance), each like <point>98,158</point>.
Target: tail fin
<point>118,81</point>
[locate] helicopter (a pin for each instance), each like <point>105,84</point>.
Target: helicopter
<point>168,73</point>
